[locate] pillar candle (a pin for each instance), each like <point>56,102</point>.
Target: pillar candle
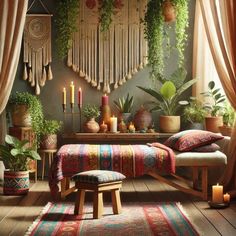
<point>113,124</point>
<point>72,93</point>
<point>226,198</point>
<point>104,100</point>
<point>217,193</point>
<point>80,97</point>
<point>64,96</point>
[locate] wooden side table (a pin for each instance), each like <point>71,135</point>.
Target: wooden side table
<point>49,153</point>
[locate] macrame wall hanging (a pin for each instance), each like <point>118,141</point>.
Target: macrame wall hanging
<point>108,59</point>
<point>37,49</point>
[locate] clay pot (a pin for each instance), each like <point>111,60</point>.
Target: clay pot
<point>226,130</point>
<point>212,123</point>
<point>91,126</point>
<point>48,142</point>
<point>169,11</point>
<point>21,116</point>
<point>16,183</point>
<point>125,117</point>
<point>169,124</point>
<point>142,119</point>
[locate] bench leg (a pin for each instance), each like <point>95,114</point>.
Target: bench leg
<point>195,177</point>
<point>65,185</point>
<point>97,205</point>
<point>79,202</point>
<point>116,203</point>
<point>204,183</point>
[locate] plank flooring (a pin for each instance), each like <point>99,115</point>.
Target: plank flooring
<point>18,212</point>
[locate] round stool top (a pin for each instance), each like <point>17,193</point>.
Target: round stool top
<point>98,176</point>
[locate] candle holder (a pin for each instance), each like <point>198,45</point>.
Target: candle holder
<point>218,205</point>
<point>72,107</point>
<point>64,108</point>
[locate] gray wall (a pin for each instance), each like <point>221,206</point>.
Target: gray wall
<point>62,75</point>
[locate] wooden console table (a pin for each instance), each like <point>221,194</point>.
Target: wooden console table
<point>109,138</point>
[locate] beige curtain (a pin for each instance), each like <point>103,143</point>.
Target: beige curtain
<point>219,20</point>
<point>12,20</point>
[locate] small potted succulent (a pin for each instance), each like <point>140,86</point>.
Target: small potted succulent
<point>214,107</point>
<point>124,106</point>
<point>15,156</point>
<point>48,134</point>
<point>91,112</point>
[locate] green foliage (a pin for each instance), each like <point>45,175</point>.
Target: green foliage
<point>50,127</point>
<point>167,99</point>
<point>66,22</point>
<point>106,10</point>
<point>157,31</point>
<point>16,154</point>
<point>35,109</point>
<point>229,114</point>
<point>91,111</point>
<point>124,105</point>
<point>194,112</point>
<point>215,104</point>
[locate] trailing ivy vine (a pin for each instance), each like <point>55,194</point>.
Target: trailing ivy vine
<point>66,21</point>
<point>106,10</point>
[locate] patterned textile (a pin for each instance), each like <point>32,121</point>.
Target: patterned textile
<point>136,219</point>
<point>190,139</point>
<point>207,148</point>
<point>98,176</point>
<point>130,160</point>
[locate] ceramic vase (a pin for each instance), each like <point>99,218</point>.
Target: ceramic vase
<point>91,126</point>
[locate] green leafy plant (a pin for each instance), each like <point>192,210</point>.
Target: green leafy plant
<point>106,10</point>
<point>15,154</point>
<point>66,22</point>
<point>50,127</point>
<point>157,31</point>
<point>167,99</point>
<point>229,114</point>
<point>194,112</point>
<point>124,104</point>
<point>91,111</point>
<point>35,109</point>
<point>216,99</point>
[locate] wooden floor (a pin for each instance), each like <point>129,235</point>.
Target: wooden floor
<point>17,213</point>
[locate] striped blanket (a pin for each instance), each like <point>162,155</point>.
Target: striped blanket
<point>130,160</point>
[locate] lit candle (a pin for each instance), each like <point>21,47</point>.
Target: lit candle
<point>64,96</point>
<point>104,100</point>
<point>226,198</point>
<point>72,93</point>
<point>131,128</point>
<point>80,98</point>
<point>113,124</point>
<point>217,193</point>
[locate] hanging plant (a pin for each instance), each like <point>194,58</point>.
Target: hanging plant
<point>66,21</point>
<point>106,10</point>
<point>157,32</point>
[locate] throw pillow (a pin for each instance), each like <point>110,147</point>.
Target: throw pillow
<point>190,139</point>
<point>207,148</point>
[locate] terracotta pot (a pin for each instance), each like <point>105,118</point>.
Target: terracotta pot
<point>226,130</point>
<point>142,119</point>
<point>49,141</point>
<point>169,11</point>
<point>212,123</point>
<point>16,183</point>
<point>169,124</point>
<point>91,126</point>
<point>20,116</point>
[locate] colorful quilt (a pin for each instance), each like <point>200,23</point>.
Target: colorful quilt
<point>130,160</point>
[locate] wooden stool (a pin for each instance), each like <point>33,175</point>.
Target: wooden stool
<point>98,181</point>
<point>46,153</point>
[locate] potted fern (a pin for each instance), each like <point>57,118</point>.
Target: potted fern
<point>124,106</point>
<point>15,156</point>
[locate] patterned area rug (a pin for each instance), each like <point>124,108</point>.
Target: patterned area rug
<point>136,219</point>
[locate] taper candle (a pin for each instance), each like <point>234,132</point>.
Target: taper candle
<point>64,96</point>
<point>217,193</point>
<point>80,97</point>
<point>72,93</point>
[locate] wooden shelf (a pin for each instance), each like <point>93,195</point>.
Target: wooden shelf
<point>114,137</point>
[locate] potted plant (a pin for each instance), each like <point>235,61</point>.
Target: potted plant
<point>26,110</point>
<point>214,107</point>
<point>167,100</point>
<point>15,156</point>
<point>158,34</point>
<point>48,134</point>
<point>228,119</point>
<point>91,112</point>
<point>194,114</point>
<point>124,106</point>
